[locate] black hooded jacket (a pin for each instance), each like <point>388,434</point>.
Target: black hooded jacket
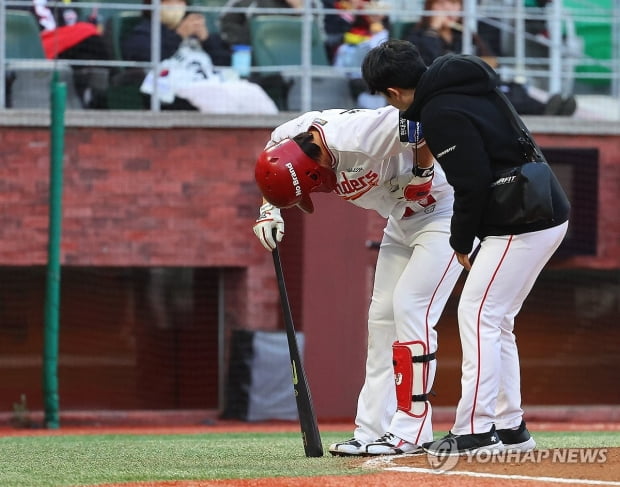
<point>471,136</point>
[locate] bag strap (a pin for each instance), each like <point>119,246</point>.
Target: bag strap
<point>531,150</point>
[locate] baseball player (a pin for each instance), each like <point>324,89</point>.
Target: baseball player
<point>470,131</point>
<point>366,158</point>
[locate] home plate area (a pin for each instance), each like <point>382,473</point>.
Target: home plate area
<point>571,466</point>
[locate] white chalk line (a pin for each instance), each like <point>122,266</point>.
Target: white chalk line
<point>502,476</point>
<point>384,462</point>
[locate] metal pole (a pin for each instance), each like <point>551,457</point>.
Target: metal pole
<point>52,295</point>
<point>469,25</point>
<point>155,52</point>
<point>2,55</point>
<point>555,49</point>
<point>519,10</point>
<point>221,337</point>
<point>306,57</point>
<point>615,51</point>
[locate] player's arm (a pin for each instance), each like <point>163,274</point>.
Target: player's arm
<point>423,172</point>
<point>417,184</point>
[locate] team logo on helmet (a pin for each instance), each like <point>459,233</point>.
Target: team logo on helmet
<point>295,180</point>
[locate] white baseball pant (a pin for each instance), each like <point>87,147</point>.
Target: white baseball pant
<point>415,273</point>
<point>501,277</point>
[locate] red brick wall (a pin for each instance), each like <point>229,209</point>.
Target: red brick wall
<point>135,197</point>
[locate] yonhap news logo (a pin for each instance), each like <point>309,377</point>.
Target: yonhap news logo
<point>447,457</point>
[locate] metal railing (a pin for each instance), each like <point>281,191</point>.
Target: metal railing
<point>554,71</point>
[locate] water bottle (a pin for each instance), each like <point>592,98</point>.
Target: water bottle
<point>242,59</point>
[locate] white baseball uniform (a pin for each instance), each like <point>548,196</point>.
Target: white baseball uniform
<point>416,268</point>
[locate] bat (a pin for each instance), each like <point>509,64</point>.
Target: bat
<point>307,418</point>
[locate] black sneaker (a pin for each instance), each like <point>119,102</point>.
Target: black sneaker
<point>554,105</point>
<point>569,106</point>
<point>518,439</point>
<point>453,445</point>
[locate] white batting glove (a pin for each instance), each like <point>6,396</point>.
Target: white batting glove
<point>268,220</point>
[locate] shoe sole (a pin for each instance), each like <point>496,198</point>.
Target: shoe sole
<point>346,454</point>
<point>526,446</point>
<point>492,449</point>
<point>348,449</point>
<point>418,451</point>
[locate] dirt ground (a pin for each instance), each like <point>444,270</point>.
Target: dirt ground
<point>540,468</point>
<point>567,463</point>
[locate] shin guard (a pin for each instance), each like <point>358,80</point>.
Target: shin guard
<point>410,374</point>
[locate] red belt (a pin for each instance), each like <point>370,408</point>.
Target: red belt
<point>408,212</point>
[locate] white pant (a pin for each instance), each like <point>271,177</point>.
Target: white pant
<point>501,277</point>
<point>415,273</point>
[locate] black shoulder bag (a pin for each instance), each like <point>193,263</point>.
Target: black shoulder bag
<point>522,194</point>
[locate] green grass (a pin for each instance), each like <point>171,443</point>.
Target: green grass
<point>62,461</point>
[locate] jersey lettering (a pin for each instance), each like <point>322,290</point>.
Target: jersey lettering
<point>353,188</point>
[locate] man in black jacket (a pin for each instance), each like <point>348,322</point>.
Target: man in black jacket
<point>472,137</point>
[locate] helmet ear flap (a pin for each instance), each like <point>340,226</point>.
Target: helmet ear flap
<point>315,175</point>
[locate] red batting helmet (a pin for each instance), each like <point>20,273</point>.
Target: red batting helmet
<point>286,176</point>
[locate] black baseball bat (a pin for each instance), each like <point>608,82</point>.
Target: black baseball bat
<point>307,418</point>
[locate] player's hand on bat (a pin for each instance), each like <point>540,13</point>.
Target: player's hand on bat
<point>268,220</point>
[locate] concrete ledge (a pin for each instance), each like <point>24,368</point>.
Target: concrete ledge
<point>182,119</point>
<point>204,417</point>
<point>564,414</point>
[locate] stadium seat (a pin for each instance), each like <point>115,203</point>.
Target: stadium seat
<point>23,40</point>
<point>276,41</point>
<point>400,28</point>
<point>29,87</point>
<point>124,91</point>
<point>117,25</point>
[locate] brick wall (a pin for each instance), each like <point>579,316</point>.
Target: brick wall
<point>137,197</point>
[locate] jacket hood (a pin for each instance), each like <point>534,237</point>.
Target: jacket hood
<point>455,74</point>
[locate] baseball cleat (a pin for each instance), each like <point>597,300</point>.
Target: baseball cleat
<point>347,448</point>
<point>517,439</point>
<point>454,445</point>
<point>390,444</point>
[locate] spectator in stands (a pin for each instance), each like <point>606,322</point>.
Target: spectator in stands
<point>189,78</point>
<point>364,31</point>
<point>336,25</point>
<point>442,33</point>
<point>176,25</point>
<point>235,27</point>
<point>69,38</point>
<point>64,36</point>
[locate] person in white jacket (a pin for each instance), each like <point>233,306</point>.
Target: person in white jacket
<point>377,161</point>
